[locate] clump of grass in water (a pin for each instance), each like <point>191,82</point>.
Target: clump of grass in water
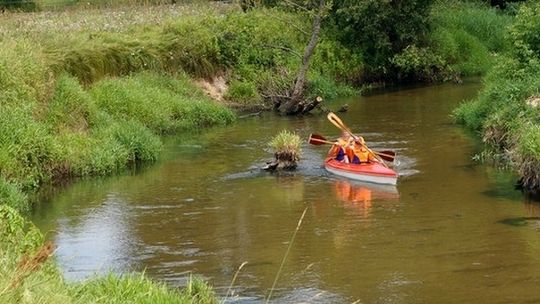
<point>287,149</point>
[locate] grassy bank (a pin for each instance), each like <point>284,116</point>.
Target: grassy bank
<point>28,275</point>
<point>506,111</point>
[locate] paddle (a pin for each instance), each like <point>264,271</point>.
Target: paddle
<point>333,118</point>
<point>316,139</point>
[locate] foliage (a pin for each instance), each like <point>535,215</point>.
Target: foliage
<point>11,195</point>
<point>286,141</point>
<point>505,110</point>
<point>524,32</point>
<point>27,151</point>
<point>421,64</point>
<point>243,92</point>
<point>380,29</point>
<point>327,88</point>
<point>467,36</point>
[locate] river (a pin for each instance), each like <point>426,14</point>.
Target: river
<point>452,230</point>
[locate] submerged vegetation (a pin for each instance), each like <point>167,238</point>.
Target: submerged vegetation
<point>507,109</point>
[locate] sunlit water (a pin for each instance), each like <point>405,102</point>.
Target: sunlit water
<point>452,231</point>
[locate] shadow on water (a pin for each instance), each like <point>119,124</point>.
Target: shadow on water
<point>520,221</point>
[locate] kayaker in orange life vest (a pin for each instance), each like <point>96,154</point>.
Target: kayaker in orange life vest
<point>340,150</point>
<point>348,150</point>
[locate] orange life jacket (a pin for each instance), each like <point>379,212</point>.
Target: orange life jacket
<point>362,153</point>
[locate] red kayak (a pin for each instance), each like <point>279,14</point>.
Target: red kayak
<point>368,172</point>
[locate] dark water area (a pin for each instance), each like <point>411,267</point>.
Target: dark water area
<point>451,231</point>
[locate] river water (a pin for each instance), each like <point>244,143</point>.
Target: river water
<point>451,231</point>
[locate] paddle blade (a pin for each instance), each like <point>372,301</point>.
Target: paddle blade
<point>316,139</point>
<point>387,155</point>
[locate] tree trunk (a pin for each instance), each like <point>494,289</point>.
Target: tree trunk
<point>296,105</point>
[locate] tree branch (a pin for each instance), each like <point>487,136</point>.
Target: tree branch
<point>284,48</point>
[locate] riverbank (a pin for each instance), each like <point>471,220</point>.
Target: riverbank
<point>28,275</point>
<point>507,109</point>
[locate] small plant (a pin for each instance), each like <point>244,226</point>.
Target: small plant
<point>287,150</point>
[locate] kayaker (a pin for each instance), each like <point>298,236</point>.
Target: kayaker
<point>359,151</point>
<point>339,150</point>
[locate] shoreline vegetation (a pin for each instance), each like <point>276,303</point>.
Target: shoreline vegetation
<point>506,112</point>
<point>89,90</point>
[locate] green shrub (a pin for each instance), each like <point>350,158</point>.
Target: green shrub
<point>159,103</point>
<point>524,31</point>
<point>327,88</point>
<point>421,64</point>
<point>502,110</point>
<point>380,29</point>
<point>243,92</point>
<point>11,195</point>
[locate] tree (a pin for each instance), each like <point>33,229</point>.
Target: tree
<point>296,104</point>
<point>380,29</point>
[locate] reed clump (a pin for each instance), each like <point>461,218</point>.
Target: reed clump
<point>287,150</point>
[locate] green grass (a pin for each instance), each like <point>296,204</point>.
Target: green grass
<point>286,141</point>
<point>467,35</point>
<point>113,289</point>
<point>40,282</point>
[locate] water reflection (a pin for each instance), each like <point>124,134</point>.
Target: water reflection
<point>360,196</point>
<point>100,240</point>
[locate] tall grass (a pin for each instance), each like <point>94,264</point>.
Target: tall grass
<point>467,35</point>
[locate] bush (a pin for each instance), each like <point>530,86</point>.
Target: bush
<point>159,103</point>
<point>11,195</point>
<point>421,64</point>
<point>243,92</point>
<point>71,107</point>
<point>327,88</point>
<point>503,111</point>
<point>524,31</point>
<point>139,142</point>
<point>380,29</point>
